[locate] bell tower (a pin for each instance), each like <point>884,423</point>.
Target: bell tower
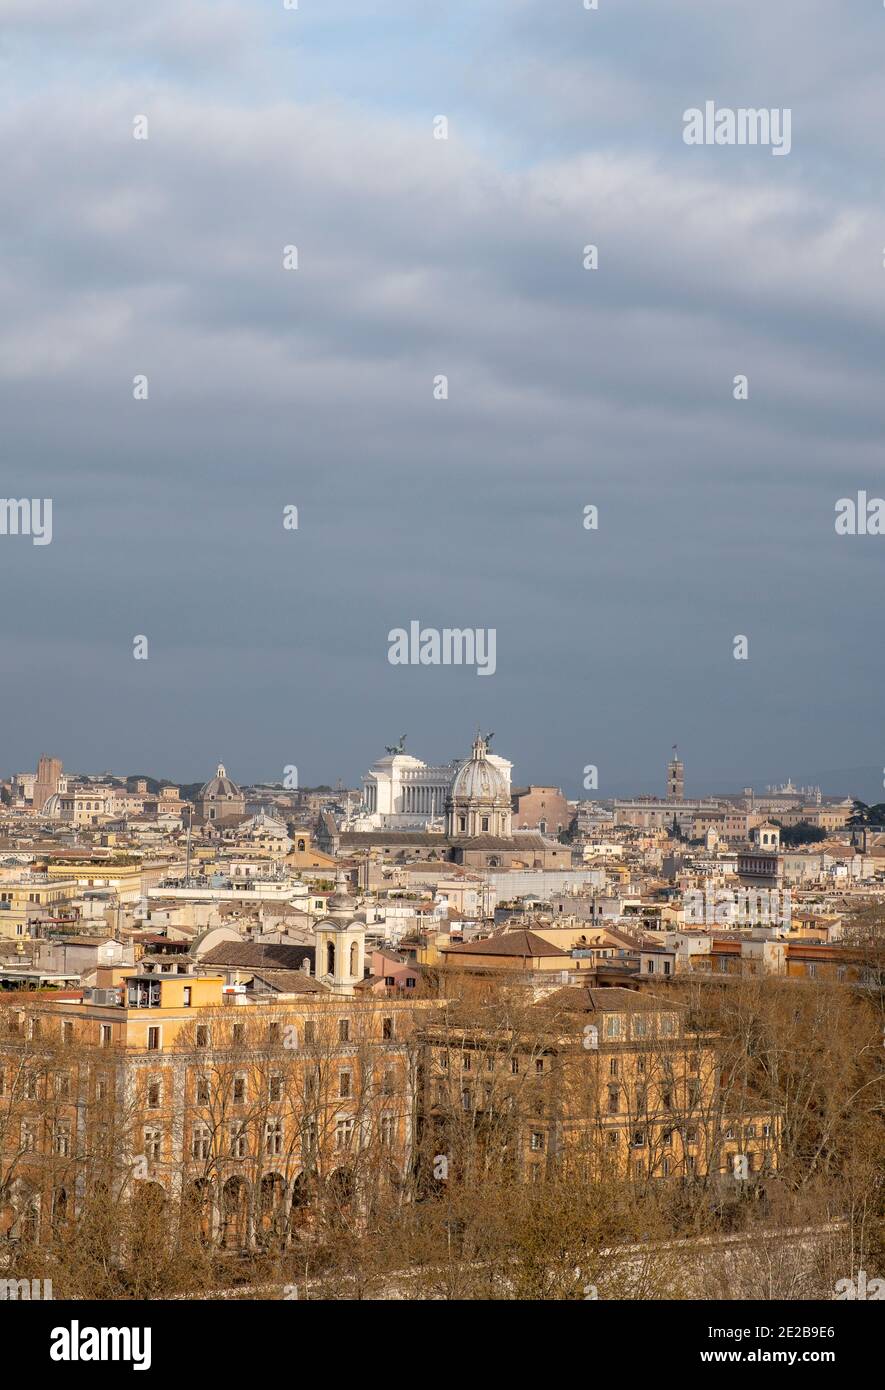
<point>340,943</point>
<point>675,778</point>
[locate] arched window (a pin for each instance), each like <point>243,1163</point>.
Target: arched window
<point>330,958</point>
<point>354,958</point>
<point>301,845</point>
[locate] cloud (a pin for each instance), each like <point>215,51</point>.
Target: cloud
<point>419,257</point>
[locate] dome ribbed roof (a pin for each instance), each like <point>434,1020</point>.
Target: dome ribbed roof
<point>220,787</point>
<point>479,780</point>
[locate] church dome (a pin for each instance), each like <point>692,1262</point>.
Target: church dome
<point>478,780</point>
<point>220,787</point>
<point>479,800</point>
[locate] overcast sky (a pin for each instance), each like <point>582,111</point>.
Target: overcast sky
<point>418,257</point>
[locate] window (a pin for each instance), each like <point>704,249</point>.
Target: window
<point>275,1088</point>
<point>614,1100</point>
<point>388,1082</point>
<point>641,1098</point>
<point>153,1039</point>
<point>514,1065</point>
<point>238,1033</point>
<point>153,1143</point>
<point>751,1131</point>
<point>613,1025</point>
<point>693,1092</point>
<point>273,1034</point>
<point>410,982</point>
<point>238,1142</point>
<point>465,1100</point>
<point>465,1061</point>
<point>308,1137</point>
<point>638,1140</point>
<point>344,1083</point>
<point>153,1094</point>
<point>202,1035</point>
<point>539,1065</point>
<point>202,1090</point>
<point>389,981</point>
<point>613,1066</point>
<point>273,1138</point>
<point>640,1026</point>
<point>104,1035</point>
<point>667,1100</point>
<point>387,1130</point>
<point>344,1134</point>
<point>200,1140</point>
<point>537,1141</point>
<point>344,1030</point>
<point>651,967</point>
<point>62,1141</point>
<point>612,1138</point>
<point>67,1033</point>
<point>28,1136</point>
<point>239,1090</point>
<point>310,1032</point>
<point>387,1029</point>
<point>766,1131</point>
<point>667,1138</point>
<point>665,1167</point>
<point>484,820</point>
<point>691,1135</point>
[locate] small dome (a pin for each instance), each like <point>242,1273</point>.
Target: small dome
<point>220,787</point>
<point>341,901</point>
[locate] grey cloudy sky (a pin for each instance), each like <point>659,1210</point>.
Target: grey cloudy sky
<point>418,256</point>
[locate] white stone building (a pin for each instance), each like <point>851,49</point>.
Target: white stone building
<point>400,792</point>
